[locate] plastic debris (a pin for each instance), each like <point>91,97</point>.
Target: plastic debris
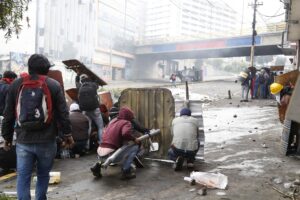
<point>210,180</point>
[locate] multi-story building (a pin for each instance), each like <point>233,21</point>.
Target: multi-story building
<point>189,19</point>
<point>99,33</point>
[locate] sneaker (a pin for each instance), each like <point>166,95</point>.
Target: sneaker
<point>128,175</point>
<point>190,165</point>
<point>96,170</point>
<point>178,163</point>
<point>138,162</point>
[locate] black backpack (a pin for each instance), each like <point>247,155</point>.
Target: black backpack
<point>88,97</point>
<point>8,159</point>
<point>34,104</point>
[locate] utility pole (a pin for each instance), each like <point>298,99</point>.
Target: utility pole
<point>253,29</point>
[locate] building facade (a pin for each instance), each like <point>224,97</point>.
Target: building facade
<point>99,33</point>
<point>188,19</point>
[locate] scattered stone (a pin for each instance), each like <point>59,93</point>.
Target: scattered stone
<point>230,103</point>
<point>277,180</point>
<point>216,125</point>
<point>235,116</point>
<point>287,185</point>
<point>192,190</point>
<point>264,145</point>
<point>255,128</point>
<point>253,140</point>
<point>250,131</point>
<point>238,105</point>
<point>209,129</point>
<point>297,182</point>
<point>202,191</point>
<point>221,193</point>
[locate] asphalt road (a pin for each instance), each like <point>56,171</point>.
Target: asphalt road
<point>242,142</point>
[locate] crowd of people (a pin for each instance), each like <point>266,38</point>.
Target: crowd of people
<point>38,126</point>
<point>257,82</point>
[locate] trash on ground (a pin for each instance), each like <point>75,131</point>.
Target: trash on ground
<point>287,185</point>
<point>211,180</point>
<point>192,190</point>
<point>54,178</point>
<point>264,145</point>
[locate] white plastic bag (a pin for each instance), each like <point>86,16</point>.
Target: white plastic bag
<point>211,180</point>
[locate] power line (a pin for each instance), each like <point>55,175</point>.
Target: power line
<point>270,15</point>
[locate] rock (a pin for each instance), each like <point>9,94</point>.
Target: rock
<point>250,131</point>
<point>235,116</point>
<point>192,190</point>
<point>238,105</point>
<point>287,185</point>
<point>264,145</point>
<point>209,129</point>
<point>297,182</point>
<point>253,140</point>
<point>202,191</point>
<point>255,128</point>
<point>230,103</point>
<point>277,180</point>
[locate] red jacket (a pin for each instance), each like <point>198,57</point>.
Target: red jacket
<point>118,130</point>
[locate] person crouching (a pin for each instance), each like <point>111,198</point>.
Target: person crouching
<point>118,133</point>
<point>185,142</point>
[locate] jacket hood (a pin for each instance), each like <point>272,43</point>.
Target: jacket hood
<point>125,113</point>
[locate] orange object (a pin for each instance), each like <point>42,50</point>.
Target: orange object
<point>105,98</point>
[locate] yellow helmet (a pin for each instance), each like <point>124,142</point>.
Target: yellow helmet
<point>276,88</point>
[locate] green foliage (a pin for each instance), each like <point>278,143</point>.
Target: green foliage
<point>3,197</point>
<point>11,16</point>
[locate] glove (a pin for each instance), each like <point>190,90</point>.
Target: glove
<point>69,142</point>
<point>7,145</point>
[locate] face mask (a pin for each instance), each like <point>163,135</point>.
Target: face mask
<point>277,97</point>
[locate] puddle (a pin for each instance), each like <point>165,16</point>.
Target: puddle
<point>221,125</point>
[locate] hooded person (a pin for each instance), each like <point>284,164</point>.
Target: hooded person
<point>81,129</point>
<point>37,125</point>
<point>118,133</point>
<point>185,141</point>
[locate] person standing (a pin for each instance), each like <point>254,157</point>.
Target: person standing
<point>245,83</point>
<point>7,79</point>
<point>185,141</point>
<point>37,125</point>
<point>89,102</point>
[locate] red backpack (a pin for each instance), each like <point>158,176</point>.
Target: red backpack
<point>34,104</point>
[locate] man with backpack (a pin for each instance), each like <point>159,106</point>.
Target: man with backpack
<point>35,109</point>
<point>89,102</point>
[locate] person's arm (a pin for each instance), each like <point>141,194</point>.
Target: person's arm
<point>8,122</point>
<point>137,126</point>
<point>127,131</point>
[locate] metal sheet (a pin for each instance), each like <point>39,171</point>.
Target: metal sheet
<point>293,110</point>
<point>154,108</point>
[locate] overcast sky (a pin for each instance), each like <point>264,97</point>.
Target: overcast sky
<point>25,43</point>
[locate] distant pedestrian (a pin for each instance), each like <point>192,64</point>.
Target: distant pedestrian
<point>35,105</point>
<point>245,83</point>
<point>173,79</point>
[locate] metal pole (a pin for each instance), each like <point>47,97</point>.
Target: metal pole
<point>253,31</point>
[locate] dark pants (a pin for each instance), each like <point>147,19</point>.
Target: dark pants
<point>174,153</point>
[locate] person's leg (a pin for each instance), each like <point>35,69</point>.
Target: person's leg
<point>172,155</point>
<point>96,117</point>
<point>243,91</point>
<point>25,161</point>
<point>45,156</point>
<point>129,156</point>
<point>247,92</point>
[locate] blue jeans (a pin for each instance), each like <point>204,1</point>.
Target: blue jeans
<point>173,154</point>
<point>27,155</point>
<point>126,157</point>
<point>96,117</point>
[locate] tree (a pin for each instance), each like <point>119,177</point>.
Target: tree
<point>11,16</point>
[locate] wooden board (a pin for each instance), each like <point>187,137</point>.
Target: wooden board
<point>284,79</point>
<point>56,75</point>
<point>76,66</point>
<point>276,68</point>
<point>8,176</point>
